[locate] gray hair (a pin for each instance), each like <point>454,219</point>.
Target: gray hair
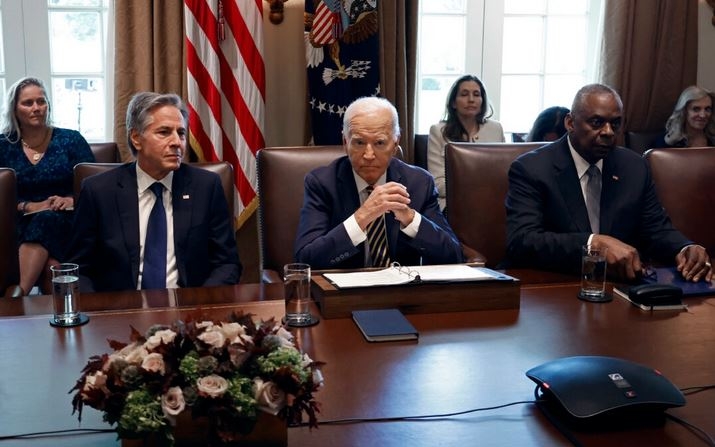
<point>370,104</point>
<point>10,127</point>
<point>591,89</point>
<point>675,125</point>
<point>142,104</point>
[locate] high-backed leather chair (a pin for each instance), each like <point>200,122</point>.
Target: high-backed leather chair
<point>641,141</point>
<point>685,181</point>
<point>421,150</point>
<point>281,174</point>
<point>222,168</point>
<point>9,268</point>
<point>106,152</point>
<point>477,183</point>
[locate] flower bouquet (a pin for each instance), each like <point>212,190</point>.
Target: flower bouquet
<point>226,372</point>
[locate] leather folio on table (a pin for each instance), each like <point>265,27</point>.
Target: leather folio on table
<point>503,292</point>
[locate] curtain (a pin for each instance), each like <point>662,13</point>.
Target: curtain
<point>398,63</point>
<point>149,55</point>
<point>649,55</point>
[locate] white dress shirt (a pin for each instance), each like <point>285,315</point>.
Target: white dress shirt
<point>146,203</point>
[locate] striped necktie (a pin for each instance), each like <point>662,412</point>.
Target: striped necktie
<point>377,239</point>
<point>154,268</point>
<point>593,197</point>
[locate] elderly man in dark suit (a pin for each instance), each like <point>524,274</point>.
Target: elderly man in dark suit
<point>368,208</point>
<point>155,223</point>
<point>550,215</point>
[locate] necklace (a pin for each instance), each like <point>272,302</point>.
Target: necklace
<point>36,154</point>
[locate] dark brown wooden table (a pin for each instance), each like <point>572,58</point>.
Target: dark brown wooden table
<point>462,361</point>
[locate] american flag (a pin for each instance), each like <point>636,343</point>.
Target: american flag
<point>226,84</point>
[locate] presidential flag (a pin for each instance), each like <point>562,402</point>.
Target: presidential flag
<point>341,38</point>
<point>226,85</point>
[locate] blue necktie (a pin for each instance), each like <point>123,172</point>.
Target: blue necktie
<point>154,270</point>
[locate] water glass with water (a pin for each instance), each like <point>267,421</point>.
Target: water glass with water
<point>296,282</point>
<point>593,274</point>
<point>65,296</point>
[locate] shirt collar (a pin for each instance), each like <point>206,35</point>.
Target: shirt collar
<point>144,180</point>
<point>362,184</point>
<point>581,164</point>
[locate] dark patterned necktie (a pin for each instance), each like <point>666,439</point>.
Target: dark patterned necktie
<point>593,197</point>
<point>154,269</point>
<point>377,239</point>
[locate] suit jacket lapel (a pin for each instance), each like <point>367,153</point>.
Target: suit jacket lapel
<point>127,205</point>
<point>610,184</point>
<point>181,197</point>
<point>570,190</point>
<point>392,226</point>
<point>348,196</point>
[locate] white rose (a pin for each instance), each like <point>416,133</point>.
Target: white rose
<point>213,337</point>
<point>172,403</point>
<point>205,324</point>
<point>212,386</point>
<point>154,362</point>
<point>136,355</point>
<point>232,330</point>
<point>165,336</point>
<point>269,397</point>
<point>285,337</point>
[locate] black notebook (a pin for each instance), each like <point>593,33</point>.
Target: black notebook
<point>384,325</point>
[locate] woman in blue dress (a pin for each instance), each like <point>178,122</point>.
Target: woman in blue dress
<point>43,158</point>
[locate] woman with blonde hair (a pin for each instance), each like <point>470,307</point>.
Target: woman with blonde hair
<point>43,158</point>
<point>692,123</point>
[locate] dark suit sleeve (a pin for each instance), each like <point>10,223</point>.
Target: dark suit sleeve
<point>435,241</point>
<point>225,267</point>
<point>83,238</point>
<point>322,240</point>
<point>529,244</point>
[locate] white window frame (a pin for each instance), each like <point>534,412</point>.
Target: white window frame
<point>26,32</point>
<point>483,58</point>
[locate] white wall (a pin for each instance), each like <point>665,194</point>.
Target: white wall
<point>706,43</point>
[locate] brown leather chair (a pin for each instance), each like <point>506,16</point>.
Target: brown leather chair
<point>421,141</point>
<point>222,168</point>
<point>106,152</point>
<point>281,174</point>
<point>685,184</point>
<point>641,141</point>
<point>477,183</point>
<point>9,267</point>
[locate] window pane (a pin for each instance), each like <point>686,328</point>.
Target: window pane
<point>565,36</point>
<point>522,54</point>
<point>432,96</point>
<point>568,6</point>
<point>524,6</point>
<point>520,102</point>
<point>442,44</point>
<point>560,90</point>
<point>443,6</point>
<point>78,103</point>
<point>72,34</point>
